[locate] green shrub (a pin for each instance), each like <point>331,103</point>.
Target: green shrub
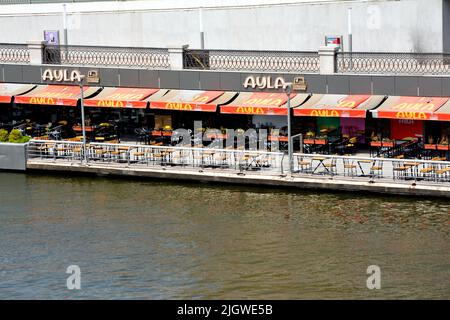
<point>3,135</point>
<point>15,136</point>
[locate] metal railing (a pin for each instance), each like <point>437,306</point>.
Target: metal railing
<point>14,53</point>
<point>147,156</point>
<point>393,63</point>
<point>232,60</point>
<point>107,56</point>
<point>240,60</point>
<point>49,1</point>
<point>368,169</point>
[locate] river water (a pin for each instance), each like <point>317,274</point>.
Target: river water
<point>164,240</point>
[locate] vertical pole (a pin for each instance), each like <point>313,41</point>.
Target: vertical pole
<point>83,128</point>
<point>65,24</point>
<point>66,40</point>
<point>290,154</point>
<point>301,142</point>
<point>349,29</point>
<point>202,34</point>
<point>350,36</point>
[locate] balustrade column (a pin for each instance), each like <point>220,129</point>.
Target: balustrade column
<point>36,49</point>
<point>328,63</point>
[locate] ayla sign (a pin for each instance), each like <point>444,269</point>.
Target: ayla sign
<point>62,75</point>
<point>264,82</point>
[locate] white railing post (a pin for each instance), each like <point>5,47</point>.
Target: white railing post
<point>36,49</point>
<point>328,63</point>
<point>176,56</point>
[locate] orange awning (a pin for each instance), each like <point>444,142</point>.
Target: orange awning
<point>262,103</point>
<point>191,100</point>
<point>60,95</point>
<point>413,108</point>
<point>121,98</point>
<point>333,105</point>
<point>8,90</point>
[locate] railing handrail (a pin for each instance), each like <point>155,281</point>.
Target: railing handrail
<point>251,50</point>
<point>312,155</point>
<point>106,47</point>
<point>391,53</point>
<point>307,155</point>
<point>153,147</point>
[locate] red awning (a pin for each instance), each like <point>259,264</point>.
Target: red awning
<point>413,108</point>
<point>262,103</point>
<point>8,90</point>
<point>55,95</point>
<point>333,105</point>
<point>190,100</point>
<point>121,98</point>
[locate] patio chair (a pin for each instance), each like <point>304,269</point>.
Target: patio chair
<point>376,170</point>
<point>350,168</point>
<point>304,165</point>
<point>331,166</point>
<point>399,170</point>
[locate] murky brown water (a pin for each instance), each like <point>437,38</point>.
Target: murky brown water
<point>158,240</point>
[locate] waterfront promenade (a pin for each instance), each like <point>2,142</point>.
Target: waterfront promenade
<point>310,171</point>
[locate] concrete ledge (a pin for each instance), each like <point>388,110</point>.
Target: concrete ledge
<point>320,183</point>
<point>13,156</point>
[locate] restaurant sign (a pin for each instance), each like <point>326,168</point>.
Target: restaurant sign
<point>264,82</point>
<point>64,75</point>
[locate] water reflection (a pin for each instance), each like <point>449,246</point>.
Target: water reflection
<point>147,239</point>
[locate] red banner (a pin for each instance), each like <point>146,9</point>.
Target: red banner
<point>121,98</point>
<point>189,100</point>
<point>183,106</point>
<point>330,113</point>
<point>345,107</point>
<point>259,103</point>
<point>412,108</point>
<point>253,110</point>
<point>52,95</point>
<point>5,99</point>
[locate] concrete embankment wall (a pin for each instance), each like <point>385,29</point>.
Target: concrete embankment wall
<point>377,25</point>
<point>13,156</point>
<point>311,183</point>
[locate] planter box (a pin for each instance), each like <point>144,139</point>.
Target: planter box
<point>13,156</point>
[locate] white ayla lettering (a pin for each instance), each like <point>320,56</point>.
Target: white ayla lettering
<point>61,75</point>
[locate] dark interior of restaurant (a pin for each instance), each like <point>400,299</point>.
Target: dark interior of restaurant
<point>379,137</point>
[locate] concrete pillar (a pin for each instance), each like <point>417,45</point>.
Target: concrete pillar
<point>327,56</point>
<point>36,49</point>
<point>176,56</point>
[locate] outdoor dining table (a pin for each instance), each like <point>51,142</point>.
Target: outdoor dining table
<point>321,160</point>
<point>363,174</point>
